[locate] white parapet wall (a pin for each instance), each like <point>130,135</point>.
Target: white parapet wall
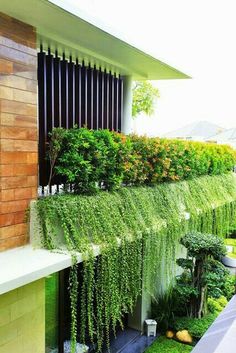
<point>23,265</point>
<point>221,335</point>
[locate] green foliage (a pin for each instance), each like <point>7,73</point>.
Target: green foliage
<point>54,148</point>
<point>220,284</point>
<point>222,301</point>
<point>196,327</point>
<point>144,97</point>
<point>230,241</point>
<point>231,255</point>
<point>73,286</point>
<point>200,245</point>
<point>219,281</point>
<point>203,251</point>
<point>163,309</point>
<point>215,306</point>
<point>175,302</point>
<point>90,160</point>
<point>165,345</point>
<point>229,287</point>
<point>137,229</point>
<point>51,311</point>
<point>185,294</point>
<point>186,264</point>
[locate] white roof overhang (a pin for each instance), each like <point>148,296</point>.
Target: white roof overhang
<point>68,32</point>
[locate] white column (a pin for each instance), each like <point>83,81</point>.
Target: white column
<point>127,105</point>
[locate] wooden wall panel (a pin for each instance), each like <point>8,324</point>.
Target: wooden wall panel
<point>18,128</point>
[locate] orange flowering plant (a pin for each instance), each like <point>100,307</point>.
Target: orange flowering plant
<point>94,159</point>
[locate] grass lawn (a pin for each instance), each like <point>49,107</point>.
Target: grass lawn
<point>232,255</point>
<point>165,345</point>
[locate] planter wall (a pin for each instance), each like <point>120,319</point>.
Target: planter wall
<point>228,261</point>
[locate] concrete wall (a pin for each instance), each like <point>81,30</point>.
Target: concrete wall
<point>22,319</point>
<point>142,311</point>
<point>18,128</point>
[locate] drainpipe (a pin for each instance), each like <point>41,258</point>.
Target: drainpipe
<point>127,105</point>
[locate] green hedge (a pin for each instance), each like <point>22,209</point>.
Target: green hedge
<point>93,159</point>
<point>196,327</point>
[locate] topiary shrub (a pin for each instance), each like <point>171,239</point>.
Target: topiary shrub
<point>201,250</point>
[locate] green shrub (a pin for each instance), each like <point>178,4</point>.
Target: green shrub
<point>216,305</point>
<point>213,279</point>
<point>222,301</point>
<point>196,327</point>
<point>229,286</point>
<point>202,250</point>
<point>92,159</point>
<point>218,280</point>
<point>163,309</point>
<point>165,345</point>
<point>80,160</point>
<point>230,241</point>
<point>184,293</point>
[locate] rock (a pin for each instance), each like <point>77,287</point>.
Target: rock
<point>169,334</point>
<point>80,348</point>
<point>184,336</point>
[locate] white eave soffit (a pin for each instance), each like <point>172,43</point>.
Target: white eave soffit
<point>62,30</point>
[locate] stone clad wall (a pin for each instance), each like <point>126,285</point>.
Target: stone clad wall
<point>22,319</point>
<point>18,128</point>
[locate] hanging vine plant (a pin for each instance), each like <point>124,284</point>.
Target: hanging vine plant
<point>137,230</point>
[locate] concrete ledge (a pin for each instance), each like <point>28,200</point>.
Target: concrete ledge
<point>229,261</point>
<point>24,265</point>
<point>221,335</point>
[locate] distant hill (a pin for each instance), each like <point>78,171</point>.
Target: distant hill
<point>225,137</point>
<point>200,130</point>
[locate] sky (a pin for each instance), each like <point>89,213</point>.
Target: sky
<point>194,36</point>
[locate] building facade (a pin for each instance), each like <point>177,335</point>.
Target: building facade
<point>56,70</point>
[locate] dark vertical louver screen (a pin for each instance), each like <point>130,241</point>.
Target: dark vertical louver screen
<point>71,93</point>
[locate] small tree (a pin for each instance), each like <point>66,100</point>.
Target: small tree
<point>144,96</point>
<point>201,250</point>
<point>54,147</point>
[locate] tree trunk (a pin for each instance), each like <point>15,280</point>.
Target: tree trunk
<point>202,303</point>
<point>198,302</point>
